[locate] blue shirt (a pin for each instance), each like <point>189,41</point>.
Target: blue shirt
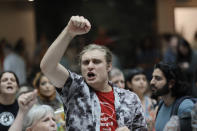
<point>163,115</point>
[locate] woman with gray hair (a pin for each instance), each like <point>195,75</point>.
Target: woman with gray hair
<point>36,118</point>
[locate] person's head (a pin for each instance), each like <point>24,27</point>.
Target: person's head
<point>9,83</point>
<point>136,81</point>
<point>24,88</point>
<point>184,49</point>
<point>40,118</point>
<point>3,42</point>
<point>95,62</point>
<point>7,48</point>
<point>170,41</point>
<point>20,46</point>
<point>167,78</point>
<point>45,88</point>
<point>173,43</point>
<point>116,77</point>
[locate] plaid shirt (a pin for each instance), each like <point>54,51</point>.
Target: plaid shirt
<point>83,111</point>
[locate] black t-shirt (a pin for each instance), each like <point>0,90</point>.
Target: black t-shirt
<point>7,115</point>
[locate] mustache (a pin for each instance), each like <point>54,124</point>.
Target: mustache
<point>153,87</point>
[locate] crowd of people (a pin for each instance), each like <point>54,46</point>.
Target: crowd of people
<point>98,95</point>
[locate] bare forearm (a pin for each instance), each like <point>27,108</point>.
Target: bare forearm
<point>55,52</point>
<point>25,102</point>
<point>18,122</point>
<point>50,66</point>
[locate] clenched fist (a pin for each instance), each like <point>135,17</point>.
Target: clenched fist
<point>78,25</point>
<point>27,100</point>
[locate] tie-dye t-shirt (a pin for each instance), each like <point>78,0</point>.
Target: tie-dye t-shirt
<point>83,111</point>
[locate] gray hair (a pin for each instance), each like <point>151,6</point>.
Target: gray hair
<point>35,114</point>
<point>90,47</point>
<point>115,72</point>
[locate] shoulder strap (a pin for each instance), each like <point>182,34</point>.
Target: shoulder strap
<point>177,104</point>
<point>159,107</point>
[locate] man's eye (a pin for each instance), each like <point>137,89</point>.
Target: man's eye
<point>122,81</point>
<point>96,61</point>
<point>158,78</point>
<point>85,62</point>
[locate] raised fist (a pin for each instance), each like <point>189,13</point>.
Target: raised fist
<point>27,100</point>
<point>78,25</point>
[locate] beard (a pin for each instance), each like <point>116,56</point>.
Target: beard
<point>159,92</point>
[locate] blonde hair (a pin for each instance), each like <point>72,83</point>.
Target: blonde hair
<point>90,47</point>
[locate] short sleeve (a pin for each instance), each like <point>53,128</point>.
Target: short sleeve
<point>185,107</point>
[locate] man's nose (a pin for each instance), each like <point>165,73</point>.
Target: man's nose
<point>152,82</point>
<point>119,84</point>
<point>90,65</point>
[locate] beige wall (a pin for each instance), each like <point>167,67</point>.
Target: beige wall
<point>18,20</point>
<point>165,13</point>
<point>186,22</point>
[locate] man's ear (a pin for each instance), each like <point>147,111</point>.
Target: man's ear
<point>171,83</point>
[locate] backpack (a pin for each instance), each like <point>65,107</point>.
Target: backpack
<point>185,118</point>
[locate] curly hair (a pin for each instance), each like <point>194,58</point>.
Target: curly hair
<point>172,72</point>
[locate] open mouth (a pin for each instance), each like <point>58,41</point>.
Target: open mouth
<point>91,75</point>
<point>153,89</point>
<point>9,88</point>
